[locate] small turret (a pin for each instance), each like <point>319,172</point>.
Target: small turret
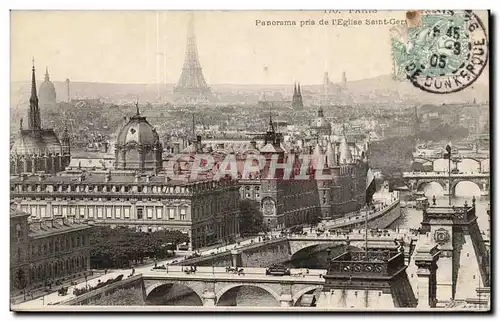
<point>66,142</point>
<point>331,157</point>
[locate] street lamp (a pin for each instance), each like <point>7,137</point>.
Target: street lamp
<point>447,155</point>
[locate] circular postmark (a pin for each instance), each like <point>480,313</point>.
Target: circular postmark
<point>441,51</point>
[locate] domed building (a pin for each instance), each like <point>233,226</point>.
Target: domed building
<point>138,146</point>
<point>47,92</point>
<point>37,149</point>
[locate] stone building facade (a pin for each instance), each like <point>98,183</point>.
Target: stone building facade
<point>137,193</point>
<point>46,250</point>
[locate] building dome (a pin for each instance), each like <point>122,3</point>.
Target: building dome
<point>138,131</point>
<point>138,145</point>
<point>47,92</point>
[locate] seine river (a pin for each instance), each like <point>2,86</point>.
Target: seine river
<point>252,296</point>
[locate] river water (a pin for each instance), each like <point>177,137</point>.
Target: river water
<point>253,296</point>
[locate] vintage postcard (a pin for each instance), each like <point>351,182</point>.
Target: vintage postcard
<point>250,160</point>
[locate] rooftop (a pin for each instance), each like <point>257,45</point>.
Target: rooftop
<point>113,177</point>
<point>15,212</point>
<point>49,227</point>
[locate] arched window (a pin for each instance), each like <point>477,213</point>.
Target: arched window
<point>45,248</point>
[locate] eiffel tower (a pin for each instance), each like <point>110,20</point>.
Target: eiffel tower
<point>191,87</point>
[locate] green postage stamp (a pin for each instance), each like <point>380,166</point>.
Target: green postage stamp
<point>440,51</point>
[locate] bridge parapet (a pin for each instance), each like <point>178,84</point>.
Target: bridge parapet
<point>459,215</point>
<point>364,264</point>
<point>443,174</point>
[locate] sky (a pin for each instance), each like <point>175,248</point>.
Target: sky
<point>125,46</point>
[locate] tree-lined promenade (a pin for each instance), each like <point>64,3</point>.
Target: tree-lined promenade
<point>122,247</point>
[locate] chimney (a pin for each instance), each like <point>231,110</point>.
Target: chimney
<point>148,178</point>
<point>137,177</point>
<point>426,261</point>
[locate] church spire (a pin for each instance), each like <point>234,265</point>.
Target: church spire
<point>137,108</point>
<point>34,112</point>
<point>320,112</point>
<point>270,134</point>
<point>297,97</point>
<point>270,128</point>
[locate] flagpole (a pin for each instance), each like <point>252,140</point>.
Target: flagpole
<point>366,230</point>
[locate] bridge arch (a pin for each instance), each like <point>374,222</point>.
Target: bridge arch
<point>304,249</point>
<point>297,296</point>
<point>463,182</point>
<point>421,185</point>
<point>157,285</point>
<point>264,287</point>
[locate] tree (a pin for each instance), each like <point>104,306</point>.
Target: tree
<point>118,247</point>
<point>251,218</point>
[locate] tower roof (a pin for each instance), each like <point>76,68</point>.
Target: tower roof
<point>33,97</point>
<point>345,155</point>
<point>330,155</point>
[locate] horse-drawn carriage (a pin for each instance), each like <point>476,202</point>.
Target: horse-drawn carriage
<point>62,291</point>
<point>235,270</point>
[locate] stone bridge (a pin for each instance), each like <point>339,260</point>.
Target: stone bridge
<point>210,284</point>
<point>283,249</point>
<point>416,181</point>
<point>305,245</point>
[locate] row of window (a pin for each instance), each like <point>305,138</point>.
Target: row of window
<point>58,244</point>
<point>99,188</point>
<point>105,188</point>
<point>110,212</point>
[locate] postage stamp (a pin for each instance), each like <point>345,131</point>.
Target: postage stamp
<point>440,51</point>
